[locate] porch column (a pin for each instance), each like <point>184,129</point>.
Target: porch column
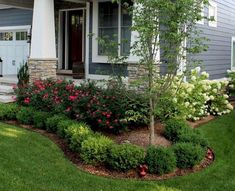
<point>43,60</point>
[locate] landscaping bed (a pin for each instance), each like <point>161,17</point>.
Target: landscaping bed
<point>101,170</point>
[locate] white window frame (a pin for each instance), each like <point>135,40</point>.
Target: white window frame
<point>201,22</point>
<point>96,58</point>
<point>232,48</point>
<point>213,5</point>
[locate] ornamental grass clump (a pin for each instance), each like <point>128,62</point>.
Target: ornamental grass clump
<point>160,160</point>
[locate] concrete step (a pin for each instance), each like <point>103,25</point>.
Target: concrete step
<point>6,89</point>
<point>6,99</point>
<point>9,80</point>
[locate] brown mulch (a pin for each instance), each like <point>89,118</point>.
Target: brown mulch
<point>139,137</point>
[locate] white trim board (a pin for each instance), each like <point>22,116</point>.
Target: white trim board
<point>15,28</point>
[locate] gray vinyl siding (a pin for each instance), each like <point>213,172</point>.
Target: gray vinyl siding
<point>217,60</point>
<point>15,17</point>
<point>101,68</point>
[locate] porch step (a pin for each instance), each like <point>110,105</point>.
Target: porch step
<point>9,80</point>
<point>6,89</point>
<point>6,99</point>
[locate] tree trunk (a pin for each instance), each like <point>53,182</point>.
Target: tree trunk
<point>151,123</point>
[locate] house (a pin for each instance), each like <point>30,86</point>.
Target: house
<point>54,36</point>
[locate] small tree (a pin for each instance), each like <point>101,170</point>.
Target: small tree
<point>164,24</point>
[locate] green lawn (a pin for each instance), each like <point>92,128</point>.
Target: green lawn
<point>31,162</point>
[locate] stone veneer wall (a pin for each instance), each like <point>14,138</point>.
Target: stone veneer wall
<point>41,69</point>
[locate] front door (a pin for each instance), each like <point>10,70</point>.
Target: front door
<point>76,36</point>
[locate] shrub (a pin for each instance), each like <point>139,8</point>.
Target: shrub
<point>76,134</point>
<point>125,157</point>
<point>175,127</point>
<point>8,111</point>
<point>194,137</point>
<point>25,115</point>
<point>160,160</point>
<point>80,129</point>
<point>52,122</point>
<point>63,125</point>
<point>40,118</point>
<point>95,149</point>
<point>188,155</point>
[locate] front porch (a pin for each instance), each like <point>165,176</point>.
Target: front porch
<point>57,39</point>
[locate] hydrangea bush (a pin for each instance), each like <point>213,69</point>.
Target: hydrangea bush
<point>198,96</point>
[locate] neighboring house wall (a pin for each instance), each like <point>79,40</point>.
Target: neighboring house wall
<point>217,60</point>
<point>15,17</point>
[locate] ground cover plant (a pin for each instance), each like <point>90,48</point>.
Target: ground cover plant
<point>45,171</point>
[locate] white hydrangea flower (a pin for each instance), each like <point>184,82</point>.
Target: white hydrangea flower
<point>205,74</point>
<point>193,78</point>
<point>231,86</point>
<point>187,104</point>
<point>175,100</point>
<point>212,97</point>
<point>226,96</point>
<point>229,106</point>
<point>229,71</point>
<point>197,69</point>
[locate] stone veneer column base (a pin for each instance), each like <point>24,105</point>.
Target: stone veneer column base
<point>41,69</point>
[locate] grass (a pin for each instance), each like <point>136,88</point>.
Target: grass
<point>31,162</point>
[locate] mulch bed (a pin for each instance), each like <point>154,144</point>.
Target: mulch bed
<point>139,137</point>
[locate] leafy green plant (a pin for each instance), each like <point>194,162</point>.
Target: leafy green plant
<point>23,75</point>
<point>8,111</point>
<point>25,115</point>
<point>174,128</point>
<point>52,122</point>
<point>188,155</point>
<point>40,118</point>
<point>194,137</point>
<point>76,134</point>
<point>160,160</point>
<point>63,125</point>
<point>125,157</point>
<point>95,149</point>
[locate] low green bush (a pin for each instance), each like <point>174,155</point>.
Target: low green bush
<point>125,157</point>
<point>40,118</point>
<point>63,125</point>
<point>194,137</point>
<point>160,160</point>
<point>25,115</point>
<point>174,128</point>
<point>188,155</point>
<point>76,134</point>
<point>95,149</point>
<point>8,111</point>
<point>52,122</point>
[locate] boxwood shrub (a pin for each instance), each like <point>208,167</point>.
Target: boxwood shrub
<point>174,128</point>
<point>160,160</point>
<point>8,111</point>
<point>25,115</point>
<point>188,155</point>
<point>125,157</point>
<point>63,125</point>
<point>40,118</point>
<point>52,122</point>
<point>194,137</point>
<point>95,149</point>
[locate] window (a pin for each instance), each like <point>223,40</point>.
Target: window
<point>233,54</point>
<point>111,21</point>
<point>213,14</point>
<point>21,35</point>
<point>6,36</point>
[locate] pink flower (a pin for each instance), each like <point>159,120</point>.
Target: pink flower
<point>27,100</point>
<point>72,98</point>
<point>68,109</point>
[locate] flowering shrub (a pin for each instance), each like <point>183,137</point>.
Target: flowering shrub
<point>199,97</point>
<point>231,75</point>
<point>108,108</point>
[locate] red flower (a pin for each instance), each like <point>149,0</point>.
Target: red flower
<point>27,100</point>
<point>99,121</point>
<point>72,98</point>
